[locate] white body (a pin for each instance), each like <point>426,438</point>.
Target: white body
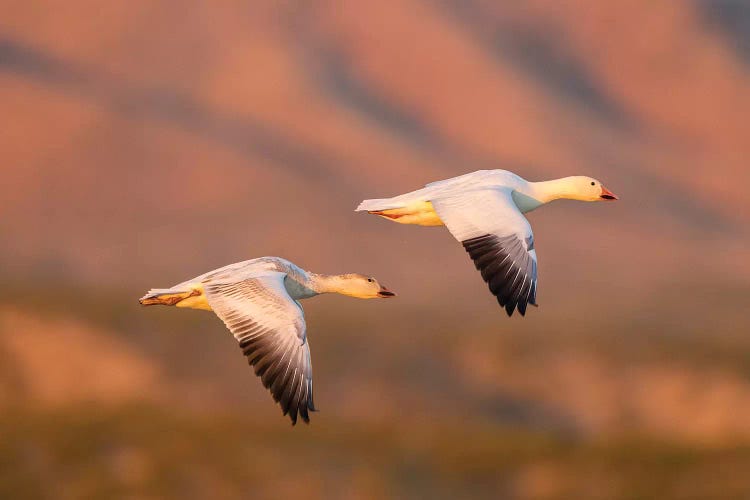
<point>484,211</point>
<point>258,301</point>
<point>527,196</point>
<point>299,283</point>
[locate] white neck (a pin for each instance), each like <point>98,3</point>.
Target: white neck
<point>326,283</point>
<point>556,189</point>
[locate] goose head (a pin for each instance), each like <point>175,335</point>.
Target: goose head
<point>583,188</point>
<point>363,287</point>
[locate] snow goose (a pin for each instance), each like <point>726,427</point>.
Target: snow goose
<point>258,301</point>
<point>484,211</point>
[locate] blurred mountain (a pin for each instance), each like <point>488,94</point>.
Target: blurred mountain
<point>146,142</point>
<point>137,148</point>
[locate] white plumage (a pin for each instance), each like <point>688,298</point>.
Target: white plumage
<point>484,211</point>
<point>258,301</point>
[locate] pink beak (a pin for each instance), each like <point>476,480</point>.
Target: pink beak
<point>608,195</point>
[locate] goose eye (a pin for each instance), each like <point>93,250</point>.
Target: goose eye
<point>369,280</point>
<point>593,183</point>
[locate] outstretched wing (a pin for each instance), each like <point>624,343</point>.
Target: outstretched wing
<point>270,327</point>
<point>498,238</point>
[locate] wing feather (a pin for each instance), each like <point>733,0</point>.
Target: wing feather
<point>270,328</point>
<point>498,239</point>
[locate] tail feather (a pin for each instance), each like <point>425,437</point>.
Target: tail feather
<point>166,296</point>
<point>378,205</point>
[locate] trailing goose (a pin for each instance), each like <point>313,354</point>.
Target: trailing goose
<point>258,300</point>
<point>484,211</point>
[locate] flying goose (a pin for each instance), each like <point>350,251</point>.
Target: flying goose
<point>484,211</point>
<point>258,300</point>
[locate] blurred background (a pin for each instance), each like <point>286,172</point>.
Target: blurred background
<point>145,142</point>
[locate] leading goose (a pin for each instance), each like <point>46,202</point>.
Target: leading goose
<point>484,211</point>
<point>258,301</point>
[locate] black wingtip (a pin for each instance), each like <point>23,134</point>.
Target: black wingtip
<point>302,415</point>
<point>522,308</point>
<point>507,268</point>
